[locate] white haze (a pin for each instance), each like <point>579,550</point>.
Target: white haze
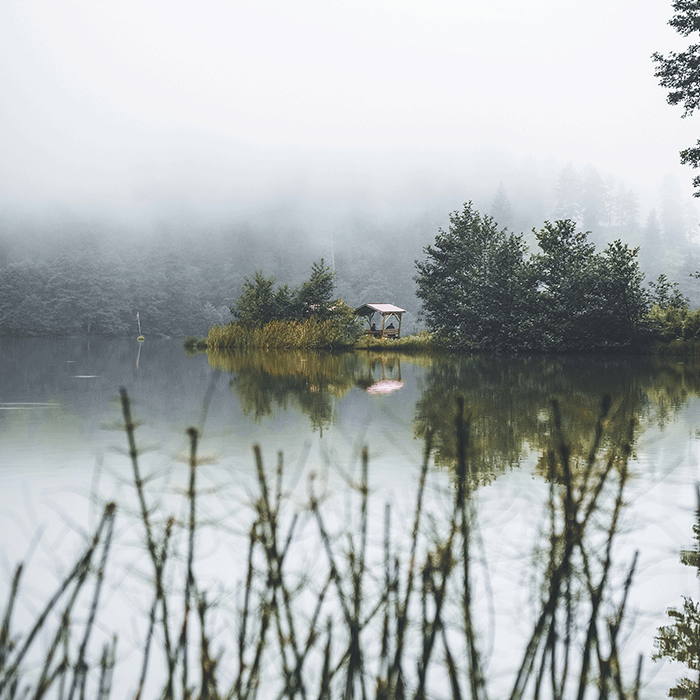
<point>136,107</point>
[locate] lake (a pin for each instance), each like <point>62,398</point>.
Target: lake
<point>63,456</point>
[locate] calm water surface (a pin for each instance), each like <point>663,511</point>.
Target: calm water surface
<point>62,456</point>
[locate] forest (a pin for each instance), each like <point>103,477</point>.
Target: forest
<point>63,275</point>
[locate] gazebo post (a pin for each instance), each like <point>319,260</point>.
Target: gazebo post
<point>383,322</point>
<point>399,333</point>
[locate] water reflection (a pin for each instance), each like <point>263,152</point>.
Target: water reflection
<point>269,380</point>
<point>402,604</point>
<point>680,641</point>
<point>383,374</point>
<point>507,399</point>
<point>540,602</point>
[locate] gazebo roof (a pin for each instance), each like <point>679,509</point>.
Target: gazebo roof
<point>369,309</point>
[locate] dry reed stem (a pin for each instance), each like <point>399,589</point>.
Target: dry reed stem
<point>81,665</point>
<point>78,573</point>
<point>395,680</point>
<point>5,636</point>
<point>189,577</point>
<point>294,642</point>
<point>130,428</point>
<point>574,527</point>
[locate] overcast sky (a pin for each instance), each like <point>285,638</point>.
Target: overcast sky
<point>125,104</point>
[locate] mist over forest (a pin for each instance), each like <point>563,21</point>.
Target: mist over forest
<point>181,266</point>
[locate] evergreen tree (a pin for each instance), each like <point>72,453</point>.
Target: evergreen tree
<point>678,72</point>
<point>256,305</point>
<point>315,296</point>
<point>568,194</point>
<point>472,283</point>
<point>501,211</point>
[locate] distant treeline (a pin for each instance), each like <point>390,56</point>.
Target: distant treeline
<point>94,284</point>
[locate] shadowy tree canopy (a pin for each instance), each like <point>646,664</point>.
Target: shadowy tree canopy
<point>472,283</point>
<point>479,290</point>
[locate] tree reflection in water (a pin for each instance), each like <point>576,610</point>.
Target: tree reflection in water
<point>402,620</point>
<point>508,400</point>
<point>680,641</point>
<point>311,381</point>
<point>510,410</point>
<point>508,397</point>
<point>265,381</point>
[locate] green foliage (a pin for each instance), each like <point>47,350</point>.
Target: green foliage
<point>670,320</point>
<point>585,300</point>
<point>259,303</point>
<point>419,342</point>
<point>666,294</point>
<point>680,640</point>
<point>339,330</point>
<point>565,274</point>
<point>472,283</point>
<point>667,322</point>
<point>622,298</point>
<point>305,317</point>
<point>678,72</point>
<point>256,305</point>
<point>480,292</point>
<point>316,294</point>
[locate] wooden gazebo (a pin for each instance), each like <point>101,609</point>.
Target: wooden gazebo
<point>386,311</point>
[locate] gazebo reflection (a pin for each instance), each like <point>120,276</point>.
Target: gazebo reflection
<point>390,376</point>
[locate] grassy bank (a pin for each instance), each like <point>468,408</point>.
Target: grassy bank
<point>329,610</point>
<point>420,342</point>
<point>285,335</point>
<point>309,334</point>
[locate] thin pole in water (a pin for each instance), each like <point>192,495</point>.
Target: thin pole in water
<point>138,320</point>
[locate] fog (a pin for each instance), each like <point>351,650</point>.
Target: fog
<point>130,109</point>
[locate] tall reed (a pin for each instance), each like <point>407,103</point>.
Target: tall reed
<point>395,622</point>
<point>309,333</point>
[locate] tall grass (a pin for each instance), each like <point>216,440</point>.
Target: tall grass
<point>309,333</point>
<point>360,623</point>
